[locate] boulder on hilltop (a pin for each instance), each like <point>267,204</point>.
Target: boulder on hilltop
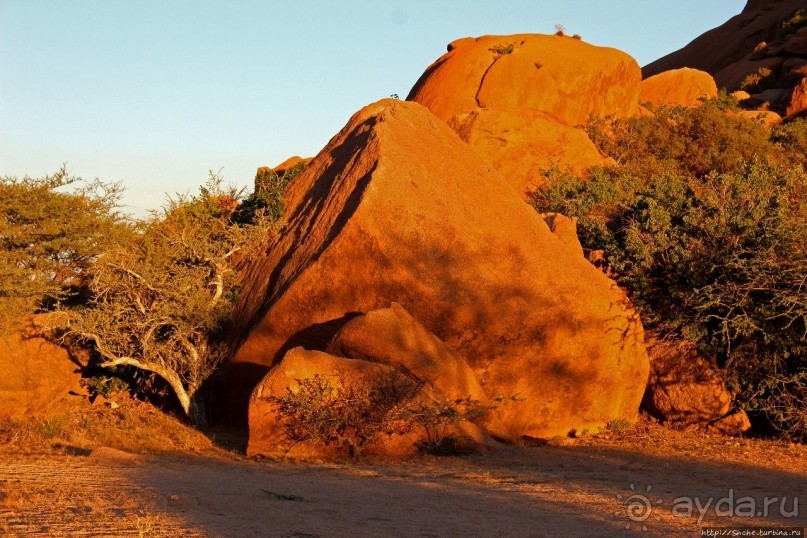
<point>678,87</point>
<point>564,77</point>
<point>396,208</point>
<point>517,100</point>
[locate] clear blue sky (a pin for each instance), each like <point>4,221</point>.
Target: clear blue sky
<point>154,93</point>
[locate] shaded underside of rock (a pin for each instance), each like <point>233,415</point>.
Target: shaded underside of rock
<point>562,76</point>
<point>398,209</point>
<point>683,387</point>
<point>521,144</point>
<point>684,87</point>
<point>393,337</point>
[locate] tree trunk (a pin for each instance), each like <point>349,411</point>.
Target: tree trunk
<point>197,411</point>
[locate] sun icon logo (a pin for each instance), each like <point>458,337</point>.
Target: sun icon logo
<point>639,507</point>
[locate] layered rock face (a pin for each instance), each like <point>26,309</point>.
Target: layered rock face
<point>717,49</point>
<point>682,87</point>
<point>397,208</point>
<point>36,373</point>
<point>517,99</point>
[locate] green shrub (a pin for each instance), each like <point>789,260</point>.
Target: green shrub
<point>349,416</point>
<point>105,385</point>
<point>704,225</point>
<point>502,50</point>
<point>798,20</point>
<point>327,411</point>
<point>436,418</point>
<point>52,229</point>
<point>618,425</point>
<point>268,196</point>
<point>762,79</point>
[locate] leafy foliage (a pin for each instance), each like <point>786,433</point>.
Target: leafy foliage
<point>796,21</point>
<point>161,302</point>
<point>705,224</point>
<point>52,229</point>
<point>437,417</point>
<point>350,416</point>
<point>328,411</point>
<point>268,196</point>
<point>760,80</point>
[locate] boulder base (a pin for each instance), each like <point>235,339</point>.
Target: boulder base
<point>684,387</point>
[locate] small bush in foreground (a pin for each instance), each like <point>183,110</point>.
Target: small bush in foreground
<point>327,411</point>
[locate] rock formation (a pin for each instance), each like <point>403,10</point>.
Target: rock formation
<point>36,373</point>
<point>762,48</point>
<point>520,144</point>
<point>684,387</point>
<point>561,76</point>
<point>517,99</point>
<point>684,87</point>
<point>396,208</point>
<point>387,347</point>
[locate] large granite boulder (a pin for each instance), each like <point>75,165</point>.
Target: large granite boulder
<point>397,208</point>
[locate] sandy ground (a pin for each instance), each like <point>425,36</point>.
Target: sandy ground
<point>581,489</point>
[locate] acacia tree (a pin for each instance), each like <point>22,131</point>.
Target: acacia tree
<point>52,229</point>
<point>161,302</point>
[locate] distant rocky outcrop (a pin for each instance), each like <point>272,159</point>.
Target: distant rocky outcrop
<point>679,87</point>
<point>285,166</point>
<point>763,49</point>
<point>397,209</point>
<point>517,99</point>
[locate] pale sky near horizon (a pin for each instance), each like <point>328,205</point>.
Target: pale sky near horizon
<point>154,93</point>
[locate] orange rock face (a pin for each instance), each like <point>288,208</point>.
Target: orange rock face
<point>684,87</point>
<point>520,144</point>
<point>565,229</point>
<point>564,77</point>
<point>393,337</point>
<point>36,373</point>
<point>385,348</point>
<point>289,163</point>
<point>765,117</point>
<point>684,387</point>
<point>798,100</point>
<point>398,209</point>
